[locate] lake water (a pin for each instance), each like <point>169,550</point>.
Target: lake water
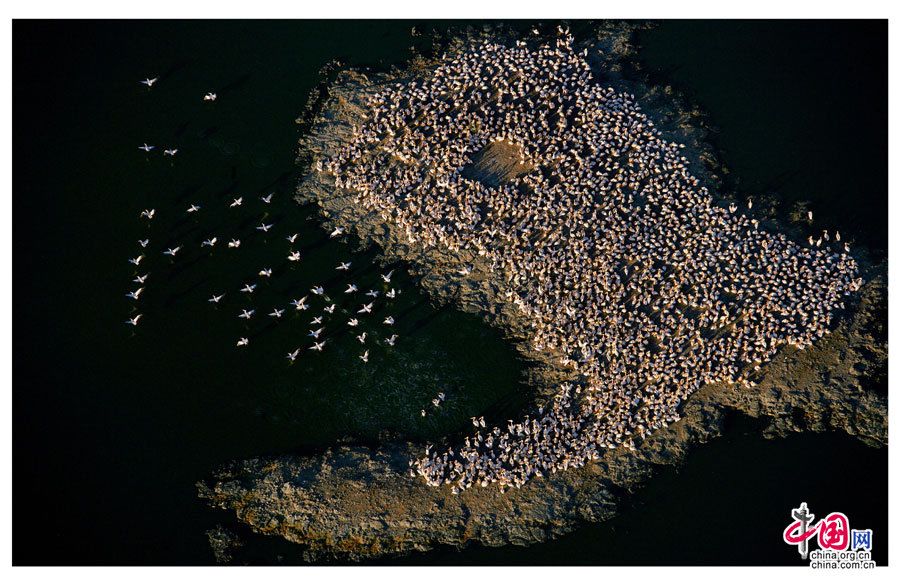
<point>112,427</point>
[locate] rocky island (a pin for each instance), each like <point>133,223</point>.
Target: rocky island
<point>527,180</point>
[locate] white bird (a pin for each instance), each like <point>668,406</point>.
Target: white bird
<point>267,272</point>
<point>391,294</point>
<point>248,288</point>
<point>353,322</point>
<point>294,256</point>
<point>365,356</point>
<point>330,308</point>
<point>137,260</point>
<point>291,238</point>
<point>243,341</point>
<point>194,207</point>
<point>148,213</point>
<point>373,293</point>
<point>134,320</point>
<point>317,290</point>
<point>146,147</point>
<point>149,82</point>
<point>389,320</point>
<point>423,413</point>
<point>210,97</point>
<point>135,293</point>
<point>234,243</point>
<point>276,313</point>
<point>362,337</point>
<point>366,308</point>
<point>144,242</point>
<point>267,198</point>
<point>344,266</point>
<point>837,236</point>
<point>749,203</point>
<point>210,242</point>
<point>316,320</point>
<point>318,346</point>
<point>387,277</point>
<point>442,396</point>
<point>216,298</point>
<point>264,228</point>
<point>351,289</point>
<point>315,334</point>
<point>172,251</point>
<point>464,271</point>
<point>292,355</point>
<point>436,402</point>
<point>246,313</point>
<point>391,340</point>
<point>170,152</point>
<point>141,279</point>
<point>809,215</point>
<point>337,231</point>
<point>237,202</point>
<point>300,304</point>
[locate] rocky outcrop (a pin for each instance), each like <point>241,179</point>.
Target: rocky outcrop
<point>355,502</point>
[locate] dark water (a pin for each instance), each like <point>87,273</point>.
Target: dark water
<point>111,429</point>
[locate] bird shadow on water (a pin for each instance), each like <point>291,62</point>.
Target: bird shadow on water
<point>236,84</point>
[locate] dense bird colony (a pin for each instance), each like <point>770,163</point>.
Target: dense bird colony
<point>608,245</point>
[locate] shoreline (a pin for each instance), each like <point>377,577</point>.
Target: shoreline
<point>357,503</point>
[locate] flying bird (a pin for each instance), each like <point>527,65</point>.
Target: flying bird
<point>149,82</point>
<point>134,320</point>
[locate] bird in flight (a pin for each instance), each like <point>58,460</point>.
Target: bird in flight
<point>149,82</point>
